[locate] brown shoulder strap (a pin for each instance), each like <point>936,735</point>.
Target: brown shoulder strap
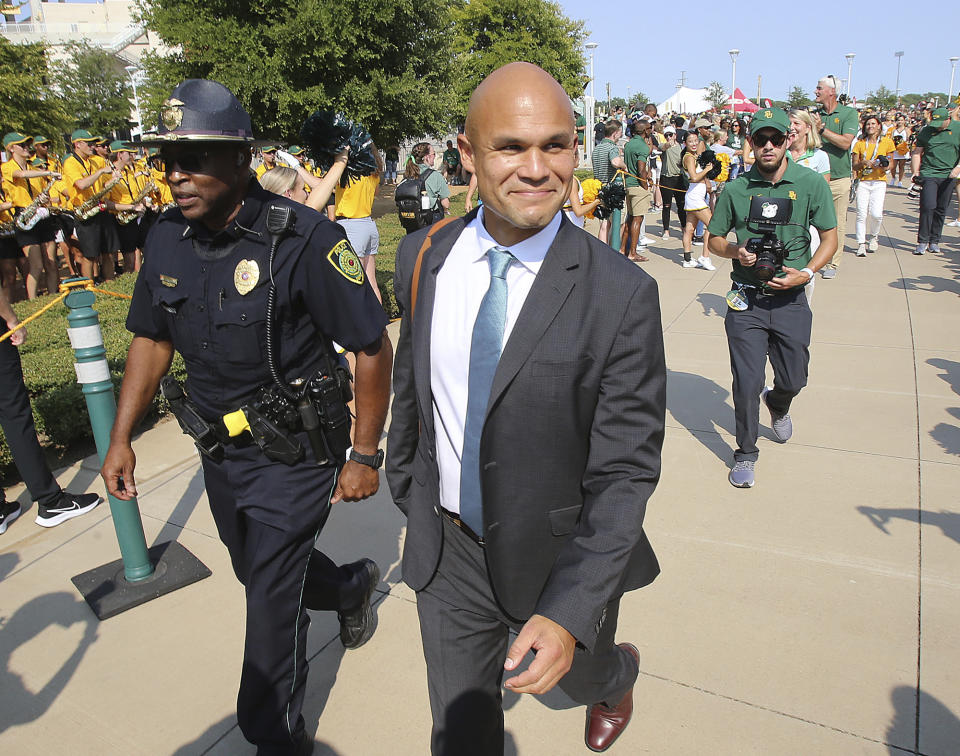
<point>415,283</point>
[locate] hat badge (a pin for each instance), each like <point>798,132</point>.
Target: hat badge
<point>767,114</point>
<point>172,113</point>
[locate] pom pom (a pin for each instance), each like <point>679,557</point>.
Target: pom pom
<point>709,157</point>
<point>590,189</point>
<point>611,196</point>
<point>326,133</point>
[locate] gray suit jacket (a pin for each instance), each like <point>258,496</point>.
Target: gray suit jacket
<point>570,450</point>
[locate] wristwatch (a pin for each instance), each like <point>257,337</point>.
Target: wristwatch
<point>370,460</point>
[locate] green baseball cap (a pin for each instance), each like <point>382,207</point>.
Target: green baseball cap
<point>939,115</point>
<point>119,146</point>
<point>295,149</point>
<point>40,140</point>
<point>14,138</point>
<point>82,135</point>
<point>770,118</point>
<point>269,148</point>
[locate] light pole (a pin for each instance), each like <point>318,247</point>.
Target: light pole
<point>849,57</point>
<point>898,55</point>
<point>733,81</point>
<point>953,68</point>
<point>590,115</point>
<point>132,72</point>
<point>591,46</point>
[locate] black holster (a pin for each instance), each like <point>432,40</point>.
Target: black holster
<point>203,433</point>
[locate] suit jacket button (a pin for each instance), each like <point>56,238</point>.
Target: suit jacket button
<point>436,510</point>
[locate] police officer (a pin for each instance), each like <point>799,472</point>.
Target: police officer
<point>772,317</point>
<point>203,290</point>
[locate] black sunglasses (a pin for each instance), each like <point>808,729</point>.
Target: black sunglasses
<point>776,139</point>
<point>187,162</point>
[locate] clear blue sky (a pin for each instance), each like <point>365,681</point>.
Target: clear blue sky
<point>787,44</point>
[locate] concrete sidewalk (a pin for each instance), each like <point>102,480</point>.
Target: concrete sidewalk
<point>813,614</point>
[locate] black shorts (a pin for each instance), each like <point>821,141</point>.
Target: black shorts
<point>129,236</point>
<point>97,236</point>
<point>66,223</point>
<point>45,231</point>
<point>9,249</point>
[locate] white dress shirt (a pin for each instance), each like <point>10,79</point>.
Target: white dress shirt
<point>461,284</point>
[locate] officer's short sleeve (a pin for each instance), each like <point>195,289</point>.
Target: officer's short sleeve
<point>822,214</point>
<point>143,318</point>
<point>722,220</point>
<point>333,286</point>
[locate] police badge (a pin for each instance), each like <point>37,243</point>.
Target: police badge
<point>245,276</point>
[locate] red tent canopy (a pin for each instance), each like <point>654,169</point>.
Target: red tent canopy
<point>741,104</point>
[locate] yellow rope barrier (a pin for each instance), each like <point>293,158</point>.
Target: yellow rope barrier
<point>65,288</point>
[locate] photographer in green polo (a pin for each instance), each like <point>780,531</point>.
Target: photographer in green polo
<point>770,316</point>
<point>838,126</point>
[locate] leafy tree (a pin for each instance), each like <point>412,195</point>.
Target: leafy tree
<point>797,98</point>
<point>492,33</point>
<point>387,64</point>
<point>26,103</point>
<point>716,95</point>
<point>882,97</point>
<point>913,98</point>
<point>94,88</point>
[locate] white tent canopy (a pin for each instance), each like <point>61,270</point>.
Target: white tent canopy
<point>686,100</point>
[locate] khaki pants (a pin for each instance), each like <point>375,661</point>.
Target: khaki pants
<point>840,189</point>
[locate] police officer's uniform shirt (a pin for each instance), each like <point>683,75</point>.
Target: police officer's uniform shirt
<point>191,291</point>
<point>812,206</point>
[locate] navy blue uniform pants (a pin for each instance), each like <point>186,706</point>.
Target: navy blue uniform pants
<point>16,418</point>
<point>268,516</point>
<point>777,326</point>
<point>934,197</point>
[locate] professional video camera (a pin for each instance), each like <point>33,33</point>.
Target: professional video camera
<point>766,213</point>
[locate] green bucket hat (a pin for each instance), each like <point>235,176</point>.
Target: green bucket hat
<point>82,135</point>
<point>14,138</point>
<point>40,140</point>
<point>120,146</point>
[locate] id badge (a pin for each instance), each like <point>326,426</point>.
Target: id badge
<point>737,300</point>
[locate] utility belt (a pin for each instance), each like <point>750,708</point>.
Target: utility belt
<point>272,420</point>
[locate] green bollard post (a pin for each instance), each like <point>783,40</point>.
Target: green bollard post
<point>94,375</point>
<point>615,229</point>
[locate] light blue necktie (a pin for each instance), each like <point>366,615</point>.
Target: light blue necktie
<point>485,347</point>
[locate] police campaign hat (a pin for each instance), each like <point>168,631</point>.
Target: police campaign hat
<point>939,115</point>
<point>770,118</point>
<point>200,110</point>
<point>14,138</point>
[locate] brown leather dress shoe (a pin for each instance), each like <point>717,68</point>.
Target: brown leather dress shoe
<point>605,723</point>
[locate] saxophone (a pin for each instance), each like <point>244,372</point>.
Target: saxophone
<point>129,215</point>
<point>37,210</point>
<point>92,206</point>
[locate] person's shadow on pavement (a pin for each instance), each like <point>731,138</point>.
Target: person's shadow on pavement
<point>948,522</point>
<point>26,702</point>
<point>940,726</point>
<point>700,406</point>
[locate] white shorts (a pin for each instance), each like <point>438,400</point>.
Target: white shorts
<point>362,234</point>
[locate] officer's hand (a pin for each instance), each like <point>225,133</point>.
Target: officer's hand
<point>553,646</point>
<point>356,482</point>
<point>117,471</point>
<point>17,337</point>
<point>746,258</point>
<point>792,278</point>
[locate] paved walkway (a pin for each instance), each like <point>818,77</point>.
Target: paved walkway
<point>816,613</point>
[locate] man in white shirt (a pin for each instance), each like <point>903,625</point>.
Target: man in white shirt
<point>526,431</point>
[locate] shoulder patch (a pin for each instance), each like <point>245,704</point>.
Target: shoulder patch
<point>345,261</point>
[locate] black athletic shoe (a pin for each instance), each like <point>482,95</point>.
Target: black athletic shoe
<point>357,626</point>
<point>9,511</point>
<point>69,506</point>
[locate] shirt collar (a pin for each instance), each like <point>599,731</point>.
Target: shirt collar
<point>529,253</point>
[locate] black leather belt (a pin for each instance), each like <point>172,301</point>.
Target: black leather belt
<point>455,519</point>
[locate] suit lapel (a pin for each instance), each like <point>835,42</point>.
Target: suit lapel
<point>436,255</point>
<point>555,280</point>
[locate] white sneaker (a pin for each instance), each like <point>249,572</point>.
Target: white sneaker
<point>954,223</point>
<point>666,235</point>
<point>874,245</point>
<point>862,250</point>
<point>704,262</point>
<point>644,241</point>
<point>933,248</point>
<point>900,184</point>
<point>691,264</point>
<point>921,249</point>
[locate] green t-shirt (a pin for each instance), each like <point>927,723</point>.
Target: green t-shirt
<point>941,150</point>
<point>843,120</point>
<point>812,206</point>
<point>581,129</point>
<point>635,154</point>
<point>451,157</point>
<point>435,185</point>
